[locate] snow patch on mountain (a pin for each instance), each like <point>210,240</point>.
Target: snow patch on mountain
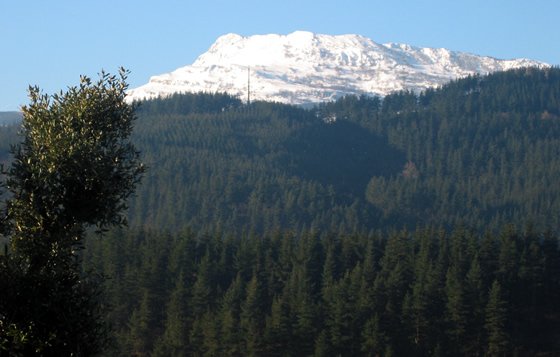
<point>304,67</point>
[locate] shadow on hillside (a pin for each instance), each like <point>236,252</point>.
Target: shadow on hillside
<point>342,154</point>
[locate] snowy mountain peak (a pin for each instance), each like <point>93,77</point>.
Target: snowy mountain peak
<point>303,67</point>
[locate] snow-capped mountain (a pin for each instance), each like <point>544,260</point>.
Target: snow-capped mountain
<point>304,67</point>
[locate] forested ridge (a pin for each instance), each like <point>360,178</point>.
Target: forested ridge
<point>481,151</point>
<point>272,230</point>
<point>413,225</point>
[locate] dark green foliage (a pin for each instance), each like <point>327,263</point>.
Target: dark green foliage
<point>261,184</point>
<point>341,154</point>
<point>74,169</point>
<point>52,313</point>
<point>421,293</point>
<point>481,151</point>
<point>496,323</point>
<point>188,103</point>
<point>260,168</point>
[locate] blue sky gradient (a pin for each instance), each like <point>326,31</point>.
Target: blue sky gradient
<point>51,43</point>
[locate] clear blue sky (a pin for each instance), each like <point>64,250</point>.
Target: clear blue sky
<point>50,43</point>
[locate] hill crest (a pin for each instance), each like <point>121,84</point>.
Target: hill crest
<point>304,67</point>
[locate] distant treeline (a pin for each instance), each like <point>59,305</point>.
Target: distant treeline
<point>7,118</point>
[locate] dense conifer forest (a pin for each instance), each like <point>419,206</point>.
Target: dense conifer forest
<point>422,293</point>
<point>481,151</point>
<point>412,225</point>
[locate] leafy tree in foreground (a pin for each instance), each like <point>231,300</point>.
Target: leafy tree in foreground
<point>74,169</point>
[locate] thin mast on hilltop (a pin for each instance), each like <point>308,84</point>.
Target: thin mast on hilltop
<point>249,85</point>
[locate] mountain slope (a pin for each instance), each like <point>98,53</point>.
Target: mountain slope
<point>481,151</point>
<point>303,67</point>
<point>10,117</point>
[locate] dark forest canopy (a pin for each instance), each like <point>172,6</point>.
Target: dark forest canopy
<point>275,195</point>
<point>421,293</point>
<point>481,151</point>
<point>274,230</point>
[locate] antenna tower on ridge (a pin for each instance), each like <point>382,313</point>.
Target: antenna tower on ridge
<point>249,85</point>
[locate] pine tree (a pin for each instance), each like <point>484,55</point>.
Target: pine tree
<point>229,319</point>
<point>322,345</point>
<point>140,338</point>
<point>202,293</point>
<point>423,313</point>
<point>252,317</point>
<point>475,303</point>
<point>496,323</point>
<point>373,338</point>
<point>174,339</point>
<point>278,330</point>
<point>211,335</point>
<point>456,313</point>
